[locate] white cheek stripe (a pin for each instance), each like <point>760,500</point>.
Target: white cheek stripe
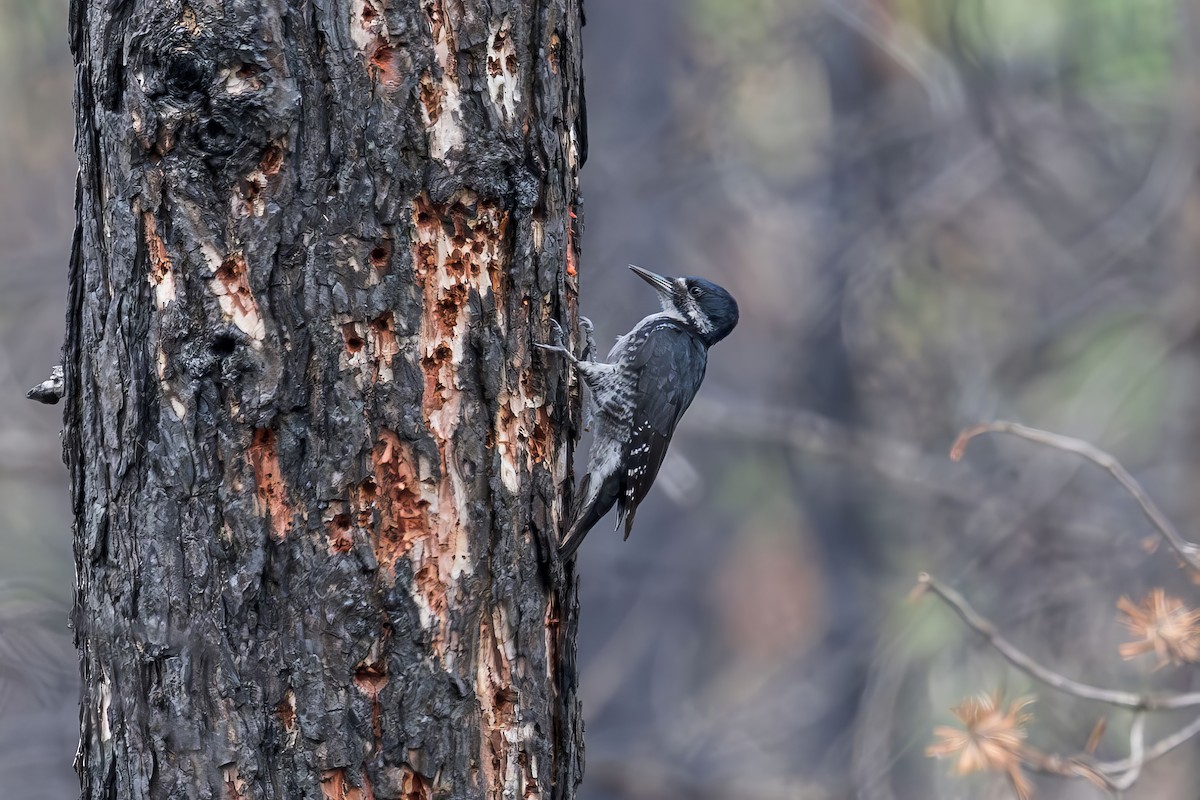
<point>696,317</point>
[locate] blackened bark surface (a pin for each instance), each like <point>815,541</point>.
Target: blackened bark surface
<point>316,463</point>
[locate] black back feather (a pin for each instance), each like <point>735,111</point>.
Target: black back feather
<point>676,359</point>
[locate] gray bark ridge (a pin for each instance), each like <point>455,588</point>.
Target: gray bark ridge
<point>317,468</point>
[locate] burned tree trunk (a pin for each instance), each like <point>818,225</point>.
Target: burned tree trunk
<point>316,463</point>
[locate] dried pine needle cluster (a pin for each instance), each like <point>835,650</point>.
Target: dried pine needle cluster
<point>1162,625</point>
<point>990,739</point>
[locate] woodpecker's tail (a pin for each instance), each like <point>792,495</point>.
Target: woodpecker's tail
<point>583,523</point>
<point>566,550</point>
<point>592,510</point>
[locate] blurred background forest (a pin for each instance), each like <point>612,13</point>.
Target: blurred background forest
<point>933,213</point>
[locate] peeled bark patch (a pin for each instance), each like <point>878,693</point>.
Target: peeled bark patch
<point>270,491</point>
<point>503,71</point>
<point>231,286</point>
<point>443,116</point>
<point>317,465</point>
<point>405,519</point>
<point>336,786</point>
<point>235,787</point>
<point>253,189</point>
<point>161,276</point>
<point>507,758</point>
<point>381,338</point>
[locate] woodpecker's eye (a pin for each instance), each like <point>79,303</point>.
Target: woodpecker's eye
<point>696,291</point>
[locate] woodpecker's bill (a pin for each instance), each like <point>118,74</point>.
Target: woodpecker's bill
<point>652,374</point>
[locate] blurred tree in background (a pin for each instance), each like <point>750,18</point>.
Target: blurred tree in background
<point>932,212</point>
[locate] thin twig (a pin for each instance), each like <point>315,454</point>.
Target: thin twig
<point>1116,776</point>
<point>1137,751</point>
<point>1033,668</point>
<point>1064,767</point>
<point>1188,551</point>
<point>1156,751</point>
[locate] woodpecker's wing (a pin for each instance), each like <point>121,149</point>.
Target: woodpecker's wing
<point>669,365</point>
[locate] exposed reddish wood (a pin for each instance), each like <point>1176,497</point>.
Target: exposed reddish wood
<point>160,262</point>
<point>394,491</point>
<point>383,347</point>
<point>572,269</point>
<point>415,787</point>
<point>336,786</point>
<point>371,678</point>
<point>270,491</point>
<point>250,199</point>
<point>386,65</point>
<point>501,727</point>
<point>341,533</point>
<point>286,711</point>
<point>235,787</point>
<point>272,161</point>
<point>431,98</point>
<point>232,288</point>
<point>381,255</point>
<point>353,336</point>
<point>541,438</point>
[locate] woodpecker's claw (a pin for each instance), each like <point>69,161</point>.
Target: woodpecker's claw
<point>557,345</point>
<point>587,332</point>
<point>557,332</point>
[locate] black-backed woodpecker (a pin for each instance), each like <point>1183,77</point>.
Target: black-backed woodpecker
<point>638,397</point>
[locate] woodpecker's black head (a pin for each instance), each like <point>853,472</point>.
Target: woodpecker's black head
<point>704,307</point>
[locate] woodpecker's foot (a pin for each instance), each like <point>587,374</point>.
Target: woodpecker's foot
<point>557,344</point>
<point>556,331</point>
<point>587,332</point>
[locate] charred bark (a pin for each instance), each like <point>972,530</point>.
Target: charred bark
<point>317,466</point>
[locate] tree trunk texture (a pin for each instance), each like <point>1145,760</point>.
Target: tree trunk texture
<point>318,469</point>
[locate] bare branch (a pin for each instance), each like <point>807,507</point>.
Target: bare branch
<point>1137,751</point>
<point>1157,750</point>
<point>1108,774</point>
<point>1064,767</point>
<point>1033,668</point>
<point>1116,776</point>
<point>1188,551</point>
